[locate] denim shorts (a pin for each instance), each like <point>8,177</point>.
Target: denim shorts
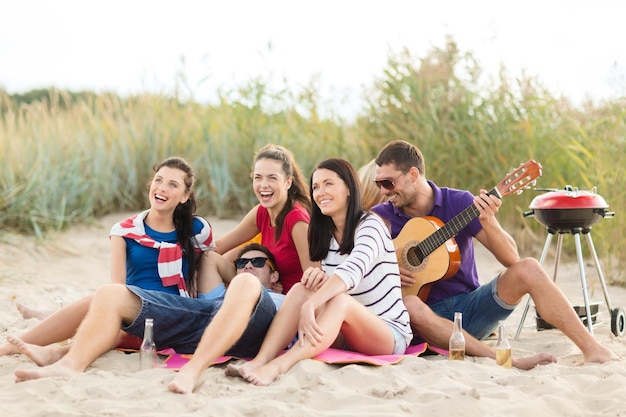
<point>400,343</point>
<point>481,308</point>
<point>179,322</point>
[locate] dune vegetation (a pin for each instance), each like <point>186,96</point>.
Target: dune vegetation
<point>69,157</point>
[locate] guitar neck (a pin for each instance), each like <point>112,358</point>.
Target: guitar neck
<point>451,228</point>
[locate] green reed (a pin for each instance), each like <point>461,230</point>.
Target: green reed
<point>69,158</point>
<point>472,134</point>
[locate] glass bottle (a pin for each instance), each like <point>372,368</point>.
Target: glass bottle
<point>147,351</point>
<point>58,300</point>
<point>456,348</point>
<point>503,348</point>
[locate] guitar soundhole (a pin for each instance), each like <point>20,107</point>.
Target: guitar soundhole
<point>413,257</point>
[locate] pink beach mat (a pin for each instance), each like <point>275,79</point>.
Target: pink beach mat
<point>331,356</point>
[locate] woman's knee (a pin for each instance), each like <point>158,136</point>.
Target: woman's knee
<point>299,291</point>
<point>112,294</point>
<point>244,284</point>
<point>341,301</point>
<point>117,300</point>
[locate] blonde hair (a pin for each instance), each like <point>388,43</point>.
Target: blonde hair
<point>369,190</point>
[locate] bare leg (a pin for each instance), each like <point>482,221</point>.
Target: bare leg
<point>528,277</point>
<point>59,326</point>
<point>436,330</point>
<point>31,313</point>
<point>363,330</point>
<point>41,355</point>
<point>280,334</point>
<point>112,305</point>
<point>223,332</point>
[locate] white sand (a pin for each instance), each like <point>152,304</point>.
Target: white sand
<point>76,262</point>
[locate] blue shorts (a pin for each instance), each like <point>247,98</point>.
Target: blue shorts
<point>179,322</point>
<point>481,308</point>
<point>399,342</point>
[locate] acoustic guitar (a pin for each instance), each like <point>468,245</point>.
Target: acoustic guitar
<point>426,246</point>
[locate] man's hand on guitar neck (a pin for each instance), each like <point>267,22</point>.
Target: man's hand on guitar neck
<point>487,205</point>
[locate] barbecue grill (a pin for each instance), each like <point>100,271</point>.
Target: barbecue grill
<point>573,211</point>
<point>569,209</point>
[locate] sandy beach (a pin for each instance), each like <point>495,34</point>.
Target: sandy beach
<point>74,263</point>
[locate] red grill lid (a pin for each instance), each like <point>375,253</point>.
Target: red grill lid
<point>570,198</point>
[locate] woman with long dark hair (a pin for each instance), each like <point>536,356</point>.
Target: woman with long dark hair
<point>158,249</point>
<point>354,300</point>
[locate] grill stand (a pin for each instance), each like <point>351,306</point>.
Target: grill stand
<point>618,317</point>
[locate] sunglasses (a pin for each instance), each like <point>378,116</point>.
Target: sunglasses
<point>388,184</point>
<point>258,262</point>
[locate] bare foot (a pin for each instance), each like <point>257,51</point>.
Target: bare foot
<point>263,375</point>
<point>31,313</point>
<point>242,369</point>
<point>601,354</point>
<point>59,369</point>
<point>185,381</point>
<point>530,362</point>
<point>8,349</point>
<point>41,355</point>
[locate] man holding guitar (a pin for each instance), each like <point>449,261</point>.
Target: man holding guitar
<point>433,229</point>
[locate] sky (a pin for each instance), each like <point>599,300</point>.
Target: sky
<point>575,47</point>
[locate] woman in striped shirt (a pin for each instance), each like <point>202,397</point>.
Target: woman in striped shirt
<point>354,301</point>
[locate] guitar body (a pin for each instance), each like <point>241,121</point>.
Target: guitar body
<point>426,247</point>
<point>442,263</point>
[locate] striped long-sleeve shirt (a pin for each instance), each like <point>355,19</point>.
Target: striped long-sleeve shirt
<point>371,273</point>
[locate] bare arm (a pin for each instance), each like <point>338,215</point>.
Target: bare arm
<point>245,230</point>
<point>213,270</point>
<point>118,260</point>
<point>300,239</point>
<point>331,286</point>
<point>492,235</point>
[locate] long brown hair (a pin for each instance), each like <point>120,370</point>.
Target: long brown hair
<point>322,227</point>
<point>298,192</point>
<point>183,216</point>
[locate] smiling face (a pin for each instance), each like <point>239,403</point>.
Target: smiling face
<point>270,183</point>
<point>264,273</point>
<point>403,192</point>
<point>330,193</point>
<point>168,189</point>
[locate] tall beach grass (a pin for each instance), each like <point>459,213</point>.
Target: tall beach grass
<point>68,159</point>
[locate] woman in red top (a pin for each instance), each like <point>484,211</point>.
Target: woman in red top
<point>282,215</point>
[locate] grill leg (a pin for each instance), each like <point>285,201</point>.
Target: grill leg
<point>546,247</point>
<point>592,249</point>
<point>583,280</point>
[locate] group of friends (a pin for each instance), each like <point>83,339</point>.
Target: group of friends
<point>324,274</point>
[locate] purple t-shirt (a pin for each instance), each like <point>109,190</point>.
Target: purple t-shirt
<point>448,203</point>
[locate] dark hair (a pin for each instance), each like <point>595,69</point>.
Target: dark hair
<point>184,215</point>
<point>261,248</point>
<point>322,226</point>
<point>297,192</point>
<point>403,155</point>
